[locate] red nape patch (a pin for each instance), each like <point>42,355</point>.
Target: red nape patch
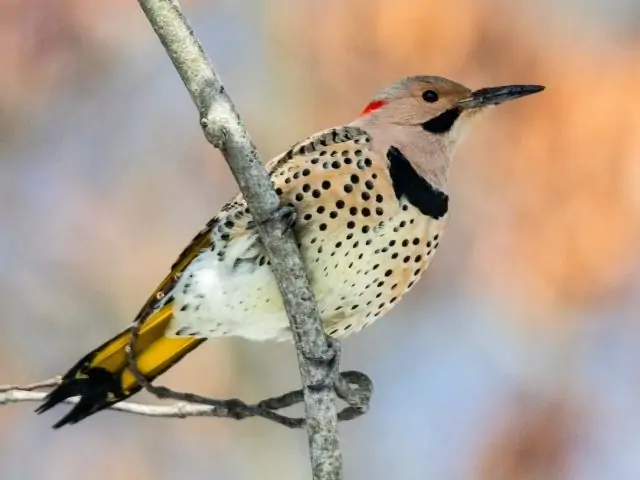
<point>372,107</point>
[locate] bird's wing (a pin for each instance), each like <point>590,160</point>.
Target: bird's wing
<point>300,176</point>
<point>333,178</point>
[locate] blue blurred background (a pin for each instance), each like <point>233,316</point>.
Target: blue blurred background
<point>515,358</point>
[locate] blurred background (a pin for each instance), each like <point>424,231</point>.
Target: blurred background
<point>515,358</point>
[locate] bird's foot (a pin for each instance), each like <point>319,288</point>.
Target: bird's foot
<point>356,389</point>
<point>331,360</point>
<point>353,387</point>
<point>283,217</point>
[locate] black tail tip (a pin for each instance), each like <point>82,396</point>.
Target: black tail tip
<point>56,396</point>
<point>93,391</point>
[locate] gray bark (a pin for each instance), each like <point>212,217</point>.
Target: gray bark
<point>225,130</point>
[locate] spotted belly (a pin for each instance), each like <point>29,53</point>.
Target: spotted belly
<point>357,275</point>
<point>357,279</point>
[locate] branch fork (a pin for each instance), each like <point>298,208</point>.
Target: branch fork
<point>318,355</point>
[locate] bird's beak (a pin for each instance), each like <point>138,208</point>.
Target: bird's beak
<point>496,95</point>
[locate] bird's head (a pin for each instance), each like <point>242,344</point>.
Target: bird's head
<point>427,116</point>
<point>437,105</point>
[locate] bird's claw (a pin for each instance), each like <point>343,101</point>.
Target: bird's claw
<point>284,216</point>
<point>332,361</point>
<point>356,389</point>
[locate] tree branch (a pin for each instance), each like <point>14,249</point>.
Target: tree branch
<point>197,406</point>
<point>318,355</point>
<point>179,410</point>
<point>224,129</point>
<point>318,360</point>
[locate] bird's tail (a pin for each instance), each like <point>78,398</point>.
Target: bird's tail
<point>102,378</point>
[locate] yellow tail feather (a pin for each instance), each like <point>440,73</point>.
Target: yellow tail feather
<point>102,378</point>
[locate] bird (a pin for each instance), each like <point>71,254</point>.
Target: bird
<point>371,202</point>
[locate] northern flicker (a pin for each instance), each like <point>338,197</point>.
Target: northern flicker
<point>371,202</point>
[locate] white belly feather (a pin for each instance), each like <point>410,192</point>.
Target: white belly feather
<point>355,281</point>
<point>213,299</point>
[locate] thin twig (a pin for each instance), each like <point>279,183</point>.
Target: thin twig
<point>49,383</point>
<point>192,405</point>
<point>231,408</point>
<point>179,410</point>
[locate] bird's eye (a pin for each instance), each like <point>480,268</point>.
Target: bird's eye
<point>430,96</point>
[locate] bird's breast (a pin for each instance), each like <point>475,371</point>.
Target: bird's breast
<point>358,274</point>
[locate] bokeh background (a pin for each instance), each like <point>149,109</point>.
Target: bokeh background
<point>517,355</point>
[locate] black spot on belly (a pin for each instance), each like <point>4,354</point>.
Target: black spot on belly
<point>419,192</point>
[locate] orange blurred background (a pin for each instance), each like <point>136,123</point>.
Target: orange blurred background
<point>513,359</point>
